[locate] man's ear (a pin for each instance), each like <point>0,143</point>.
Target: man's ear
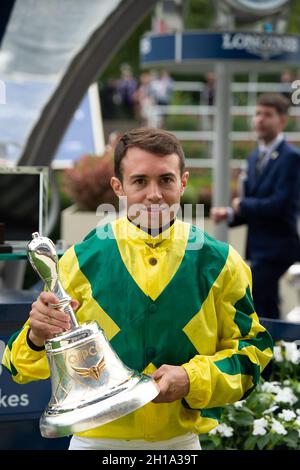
<point>117,186</point>
<point>184,180</point>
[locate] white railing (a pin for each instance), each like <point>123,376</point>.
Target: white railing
<point>199,163</point>
<point>201,110</point>
<point>237,136</point>
<point>251,89</point>
<point>254,87</point>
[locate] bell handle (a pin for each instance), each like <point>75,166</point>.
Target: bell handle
<point>66,307</point>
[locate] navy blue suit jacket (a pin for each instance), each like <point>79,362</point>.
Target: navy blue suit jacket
<point>270,206</point>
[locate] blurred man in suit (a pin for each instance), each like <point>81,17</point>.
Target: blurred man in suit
<point>269,204</point>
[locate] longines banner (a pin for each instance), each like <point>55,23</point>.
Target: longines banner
<point>231,46</point>
<point>21,401</point>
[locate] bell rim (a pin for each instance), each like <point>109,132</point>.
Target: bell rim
<point>94,415</point>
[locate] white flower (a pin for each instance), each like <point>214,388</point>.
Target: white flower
<point>270,387</point>
<point>227,431</point>
<point>277,427</point>
<point>270,410</point>
<point>213,431</point>
<point>277,352</point>
<point>260,422</point>
<point>298,411</point>
<point>239,404</point>
<point>259,431</point>
<point>286,395</point>
<point>259,427</point>
<point>292,353</point>
<point>223,430</point>
<point>297,421</point>
<point>287,415</point>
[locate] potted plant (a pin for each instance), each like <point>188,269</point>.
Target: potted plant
<point>270,417</point>
<point>88,185</point>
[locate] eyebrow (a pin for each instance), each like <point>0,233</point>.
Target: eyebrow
<point>145,176</point>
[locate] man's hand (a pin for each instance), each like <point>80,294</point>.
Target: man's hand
<point>173,382</point>
<point>218,214</point>
<point>47,321</point>
<point>236,204</point>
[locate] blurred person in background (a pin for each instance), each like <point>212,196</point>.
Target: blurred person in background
<point>126,87</point>
<point>208,99</point>
<point>269,204</point>
<point>208,94</point>
<point>143,100</point>
<point>161,88</point>
<point>286,80</point>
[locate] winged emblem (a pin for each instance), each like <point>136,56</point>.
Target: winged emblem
<point>93,372</point>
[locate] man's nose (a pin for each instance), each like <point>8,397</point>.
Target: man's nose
<point>154,193</point>
<point>259,118</point>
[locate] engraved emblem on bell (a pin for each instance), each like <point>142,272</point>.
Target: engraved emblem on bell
<point>93,372</point>
<point>90,384</point>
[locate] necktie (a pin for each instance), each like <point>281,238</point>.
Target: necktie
<point>259,162</point>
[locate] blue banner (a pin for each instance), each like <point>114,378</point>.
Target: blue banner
<point>227,46</point>
<point>158,48</point>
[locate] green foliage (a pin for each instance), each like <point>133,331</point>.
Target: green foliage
<point>240,123</point>
<point>182,123</point>
<point>199,14</point>
<point>196,150</point>
<point>128,52</point>
<point>292,125</point>
<point>198,190</point>
<point>241,150</point>
<point>240,98</point>
<point>185,97</point>
<point>294,18</point>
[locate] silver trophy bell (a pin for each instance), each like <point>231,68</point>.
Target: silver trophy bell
<point>91,386</point>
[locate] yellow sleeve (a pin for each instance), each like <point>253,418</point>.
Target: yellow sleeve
<point>24,363</point>
<point>244,347</point>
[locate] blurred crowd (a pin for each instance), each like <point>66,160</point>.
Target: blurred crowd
<point>132,98</point>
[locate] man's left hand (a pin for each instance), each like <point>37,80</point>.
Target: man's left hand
<point>173,382</point>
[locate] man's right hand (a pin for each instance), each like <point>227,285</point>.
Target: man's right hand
<point>218,214</point>
<point>46,321</point>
